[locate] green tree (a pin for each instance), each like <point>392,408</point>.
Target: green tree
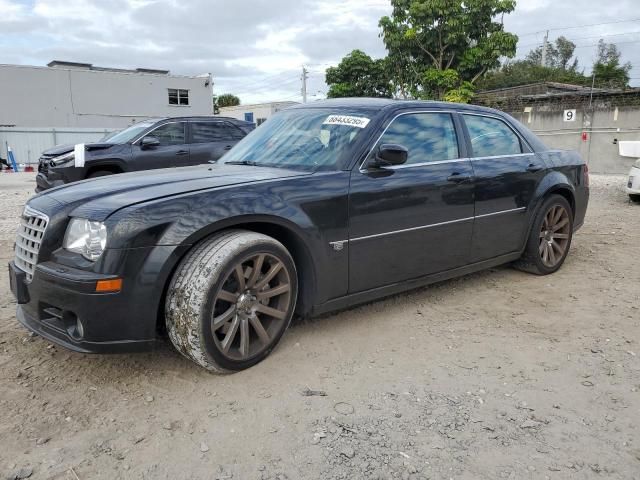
<point>358,75</point>
<point>440,48</point>
<point>559,55</point>
<point>524,72</point>
<point>227,100</point>
<point>560,66</point>
<point>607,69</point>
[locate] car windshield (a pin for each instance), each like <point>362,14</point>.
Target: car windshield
<point>129,133</point>
<point>305,139</point>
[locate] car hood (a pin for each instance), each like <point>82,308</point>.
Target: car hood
<point>100,197</point>
<point>62,149</point>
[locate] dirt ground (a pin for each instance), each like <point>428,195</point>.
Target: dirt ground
<point>499,374</point>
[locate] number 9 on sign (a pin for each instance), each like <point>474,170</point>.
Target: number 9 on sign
<point>570,115</point>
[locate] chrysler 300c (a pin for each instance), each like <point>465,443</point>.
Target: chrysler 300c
<point>325,206</point>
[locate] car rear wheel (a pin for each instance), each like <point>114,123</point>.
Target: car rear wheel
<point>550,237</point>
<point>634,197</point>
<point>231,300</point>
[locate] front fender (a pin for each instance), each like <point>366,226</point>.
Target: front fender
<point>313,210</point>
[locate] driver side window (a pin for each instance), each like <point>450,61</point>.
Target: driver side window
<point>169,134</point>
<point>429,137</point>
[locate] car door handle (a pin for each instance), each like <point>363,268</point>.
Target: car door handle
<point>458,178</point>
<point>228,147</point>
<point>534,168</point>
<point>182,152</point>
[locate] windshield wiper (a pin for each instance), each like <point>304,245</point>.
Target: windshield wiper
<point>242,162</point>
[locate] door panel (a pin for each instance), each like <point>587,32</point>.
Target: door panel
<point>173,150</point>
<point>211,140</point>
<point>411,220</point>
<point>506,177</point>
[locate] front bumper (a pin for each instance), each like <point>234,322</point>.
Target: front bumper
<point>50,176</point>
<point>633,182</point>
<point>60,304</point>
<point>43,182</point>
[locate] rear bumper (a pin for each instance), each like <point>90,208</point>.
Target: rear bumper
<point>60,304</point>
<point>633,182</point>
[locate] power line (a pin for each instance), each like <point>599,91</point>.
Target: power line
<point>266,86</point>
<point>261,80</point>
<point>590,36</point>
<point>579,26</point>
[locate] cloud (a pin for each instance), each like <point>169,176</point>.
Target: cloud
<point>256,48</point>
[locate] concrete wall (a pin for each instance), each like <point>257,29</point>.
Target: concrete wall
<point>603,127</point>
<point>28,143</point>
<point>66,97</point>
<point>259,110</point>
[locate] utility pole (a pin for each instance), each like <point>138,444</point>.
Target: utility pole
<point>304,77</point>
<point>543,58</point>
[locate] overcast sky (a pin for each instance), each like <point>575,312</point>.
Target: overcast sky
<point>256,48</point>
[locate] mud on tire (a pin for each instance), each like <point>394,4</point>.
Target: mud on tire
<point>230,300</point>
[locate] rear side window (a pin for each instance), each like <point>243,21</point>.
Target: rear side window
<point>170,134</point>
<point>429,137</point>
<point>206,132</point>
<point>491,137</point>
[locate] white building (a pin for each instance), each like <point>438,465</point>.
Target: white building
<point>68,94</point>
<point>257,112</point>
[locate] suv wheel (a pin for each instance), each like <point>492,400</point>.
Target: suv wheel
<point>231,300</point>
<point>550,237</point>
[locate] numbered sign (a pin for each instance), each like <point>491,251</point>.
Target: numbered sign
<point>570,115</point>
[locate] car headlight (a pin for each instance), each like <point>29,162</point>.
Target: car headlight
<point>59,160</point>
<point>86,238</point>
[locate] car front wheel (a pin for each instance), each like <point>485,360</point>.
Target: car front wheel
<point>550,237</point>
<point>231,299</point>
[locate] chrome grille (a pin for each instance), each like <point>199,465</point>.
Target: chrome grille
<point>30,233</point>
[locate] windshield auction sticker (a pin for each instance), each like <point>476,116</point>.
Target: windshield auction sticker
<point>348,120</point>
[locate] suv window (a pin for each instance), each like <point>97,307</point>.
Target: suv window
<point>491,137</point>
<point>205,132</point>
<point>429,137</point>
<point>169,134</point>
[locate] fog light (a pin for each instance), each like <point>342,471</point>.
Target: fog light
<point>79,329</point>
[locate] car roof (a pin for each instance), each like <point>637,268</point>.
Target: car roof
<point>192,118</point>
<point>391,104</point>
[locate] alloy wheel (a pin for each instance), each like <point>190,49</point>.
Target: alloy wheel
<point>251,306</point>
<point>554,235</point>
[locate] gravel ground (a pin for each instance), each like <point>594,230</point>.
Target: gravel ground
<point>499,374</point>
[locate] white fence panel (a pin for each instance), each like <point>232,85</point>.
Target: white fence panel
<point>28,143</point>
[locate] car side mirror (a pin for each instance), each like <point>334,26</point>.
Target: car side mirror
<point>390,154</point>
<point>149,142</point>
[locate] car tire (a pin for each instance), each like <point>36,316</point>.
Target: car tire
<point>549,239</point>
<point>230,300</point>
<point>634,197</point>
<point>99,173</point>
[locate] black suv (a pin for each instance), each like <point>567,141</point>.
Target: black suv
<point>157,143</point>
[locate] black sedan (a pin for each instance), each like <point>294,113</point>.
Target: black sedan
<point>325,206</point>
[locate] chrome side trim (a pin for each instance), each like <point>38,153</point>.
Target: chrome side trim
<point>422,164</point>
<point>511,210</point>
<point>422,227</point>
<point>412,229</point>
<point>500,157</point>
